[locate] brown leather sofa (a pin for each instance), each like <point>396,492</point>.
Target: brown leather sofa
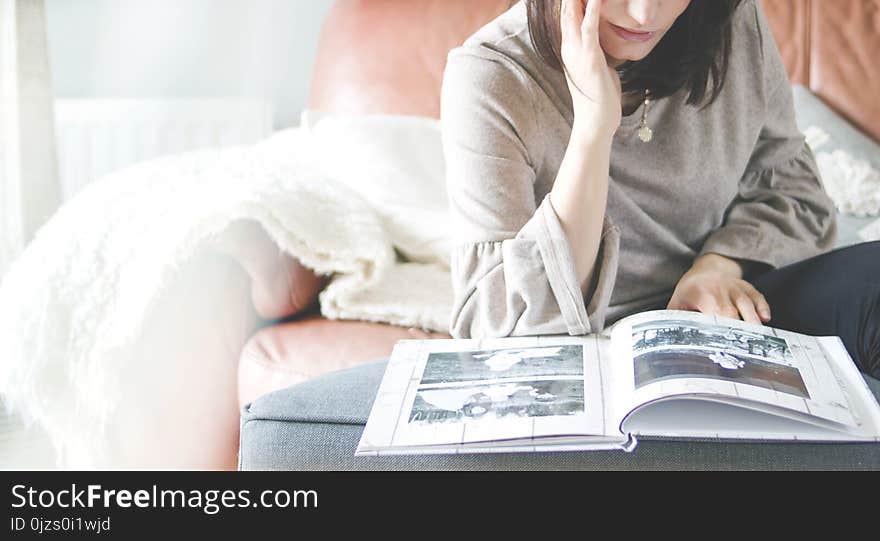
<point>387,56</point>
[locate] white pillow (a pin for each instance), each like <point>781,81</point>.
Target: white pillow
<point>396,163</point>
<point>849,164</point>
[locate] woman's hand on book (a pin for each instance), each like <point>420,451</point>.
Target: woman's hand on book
<point>593,84</point>
<point>714,285</point>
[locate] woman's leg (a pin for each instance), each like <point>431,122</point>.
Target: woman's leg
<point>836,293</point>
<point>280,285</point>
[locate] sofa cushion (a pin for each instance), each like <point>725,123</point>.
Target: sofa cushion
<point>291,352</point>
<point>844,40</point>
<point>398,69</point>
<point>316,426</point>
<point>827,46</point>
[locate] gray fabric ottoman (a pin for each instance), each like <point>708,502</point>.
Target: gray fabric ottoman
<point>316,426</point>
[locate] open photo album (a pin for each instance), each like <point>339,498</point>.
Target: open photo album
<point>663,374</point>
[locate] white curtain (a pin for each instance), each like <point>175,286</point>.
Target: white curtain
<point>29,188</point>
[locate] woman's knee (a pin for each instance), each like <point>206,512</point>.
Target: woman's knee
<point>303,283</point>
<point>281,286</point>
<point>860,261</point>
<point>843,271</point>
<point>835,293</point>
<point>869,333</point>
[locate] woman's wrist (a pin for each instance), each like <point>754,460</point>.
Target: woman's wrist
<point>718,263</point>
<point>585,133</point>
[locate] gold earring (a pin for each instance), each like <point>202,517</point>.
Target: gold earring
<point>645,133</point>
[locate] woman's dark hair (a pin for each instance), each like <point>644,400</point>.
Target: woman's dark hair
<point>694,51</point>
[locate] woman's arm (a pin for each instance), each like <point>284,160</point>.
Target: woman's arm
<point>781,215</point>
<point>580,192</point>
<point>579,197</point>
<point>513,268</point>
<point>521,266</point>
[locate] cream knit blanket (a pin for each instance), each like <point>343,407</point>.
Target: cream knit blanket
<point>74,305</point>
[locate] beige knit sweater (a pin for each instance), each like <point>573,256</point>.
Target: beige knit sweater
<point>735,179</point>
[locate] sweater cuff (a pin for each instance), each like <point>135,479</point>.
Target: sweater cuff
<point>743,242</point>
<point>553,244</point>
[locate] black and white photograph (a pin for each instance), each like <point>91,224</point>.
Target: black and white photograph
<point>673,333</point>
<point>674,349</point>
<point>498,400</point>
<point>676,364</point>
<point>491,364</point>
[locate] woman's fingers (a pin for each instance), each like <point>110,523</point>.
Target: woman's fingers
<point>761,304</point>
<point>572,16</point>
<point>590,22</point>
<point>589,31</point>
<point>710,293</point>
<point>751,304</point>
<point>708,304</point>
<point>746,307</point>
<point>727,304</point>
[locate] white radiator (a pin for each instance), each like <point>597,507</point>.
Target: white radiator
<point>97,136</point>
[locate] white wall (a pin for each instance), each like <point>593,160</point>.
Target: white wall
<point>186,48</point>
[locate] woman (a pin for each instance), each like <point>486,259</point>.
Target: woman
<point>661,167</point>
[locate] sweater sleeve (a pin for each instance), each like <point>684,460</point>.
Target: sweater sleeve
<point>512,267</point>
<point>782,213</point>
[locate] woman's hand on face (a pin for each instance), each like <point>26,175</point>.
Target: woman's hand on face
<point>714,285</point>
<point>594,85</point>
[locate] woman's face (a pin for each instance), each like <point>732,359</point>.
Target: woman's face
<point>648,21</point>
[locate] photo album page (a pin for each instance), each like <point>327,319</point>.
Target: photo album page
<point>795,376</point>
<point>519,394</point>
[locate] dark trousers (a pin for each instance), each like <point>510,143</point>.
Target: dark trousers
<point>836,293</point>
